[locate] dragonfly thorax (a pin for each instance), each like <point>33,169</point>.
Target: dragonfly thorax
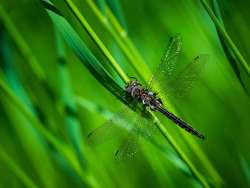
<point>148,98</point>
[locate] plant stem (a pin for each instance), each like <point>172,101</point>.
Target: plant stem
<point>62,148</point>
<point>97,40</point>
<point>22,45</point>
<point>228,51</point>
<point>120,36</point>
<point>225,35</point>
<point>179,152</point>
<point>133,50</point>
<point>27,181</point>
<point>68,101</point>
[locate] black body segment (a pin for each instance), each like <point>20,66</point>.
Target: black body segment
<point>181,123</point>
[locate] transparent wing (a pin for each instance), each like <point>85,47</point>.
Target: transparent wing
<point>124,128</point>
<point>167,66</point>
<point>184,81</point>
<point>129,147</point>
<point>167,81</point>
<point>179,84</point>
<point>111,129</point>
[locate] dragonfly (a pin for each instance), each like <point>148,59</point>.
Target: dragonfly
<point>172,84</point>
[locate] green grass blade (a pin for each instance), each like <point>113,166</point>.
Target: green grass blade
<point>226,37</point>
<point>63,149</point>
<point>180,153</point>
<point>26,132</point>
<point>245,167</point>
<point>116,8</point>
<point>24,178</point>
<point>97,40</point>
<point>68,102</point>
<point>81,50</point>
<point>101,4</point>
<point>120,35</point>
<point>229,53</point>
<point>22,45</point>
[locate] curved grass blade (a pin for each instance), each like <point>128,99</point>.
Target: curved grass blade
<point>99,43</point>
<point>228,51</point>
<point>82,51</point>
<point>226,37</point>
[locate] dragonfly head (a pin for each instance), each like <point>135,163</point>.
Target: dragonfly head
<point>132,83</point>
<point>133,88</point>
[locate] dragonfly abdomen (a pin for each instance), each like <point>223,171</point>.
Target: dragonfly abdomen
<point>181,123</point>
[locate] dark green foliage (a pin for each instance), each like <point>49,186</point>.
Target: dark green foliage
<point>63,67</point>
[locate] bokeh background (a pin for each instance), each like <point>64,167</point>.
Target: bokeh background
<point>50,100</point>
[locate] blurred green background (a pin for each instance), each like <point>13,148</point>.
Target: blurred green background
<point>50,100</point>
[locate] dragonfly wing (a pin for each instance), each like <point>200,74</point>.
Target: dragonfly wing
<point>124,129</point>
<point>184,81</point>
<point>128,147</point>
<point>167,66</point>
<point>111,129</point>
<point>141,128</point>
